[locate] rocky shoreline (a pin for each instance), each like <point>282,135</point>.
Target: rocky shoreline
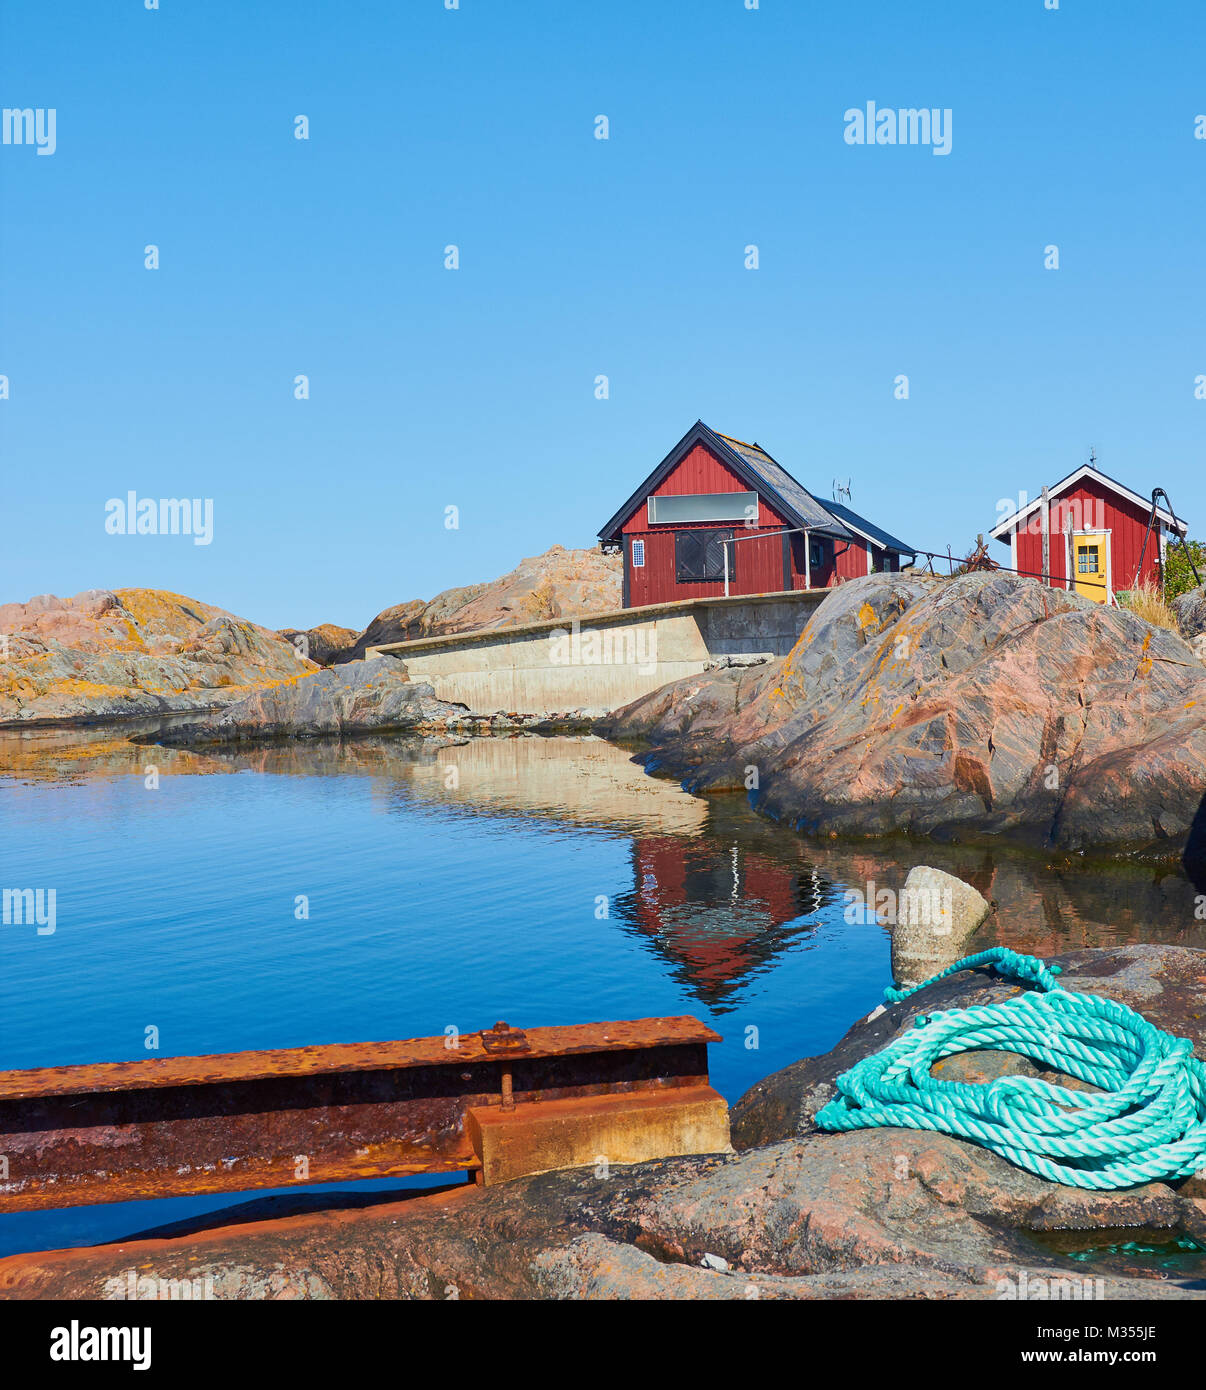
<point>352,700</point>
<point>108,655</point>
<point>985,706</point>
<point>105,655</point>
<point>792,1213</point>
<point>908,706</point>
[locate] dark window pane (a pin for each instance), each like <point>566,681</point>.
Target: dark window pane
<point>699,556</point>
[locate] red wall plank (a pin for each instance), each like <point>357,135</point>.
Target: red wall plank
<point>757,559</point>
<point>699,472</point>
<point>1092,506</point>
<point>853,562</point>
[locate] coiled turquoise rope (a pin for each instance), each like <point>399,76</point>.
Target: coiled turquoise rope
<point>1145,1123</point>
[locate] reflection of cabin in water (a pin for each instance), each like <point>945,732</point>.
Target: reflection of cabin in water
<point>720,915</point>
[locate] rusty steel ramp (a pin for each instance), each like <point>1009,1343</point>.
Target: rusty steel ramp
<point>499,1103</point>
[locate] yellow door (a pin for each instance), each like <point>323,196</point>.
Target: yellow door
<point>1089,561</point>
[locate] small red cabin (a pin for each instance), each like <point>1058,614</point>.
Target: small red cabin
<point>720,516</point>
<point>1095,530</point>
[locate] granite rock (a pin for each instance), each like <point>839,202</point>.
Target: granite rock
<point>987,705</point>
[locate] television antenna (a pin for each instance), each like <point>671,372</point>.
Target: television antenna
<point>841,491</point>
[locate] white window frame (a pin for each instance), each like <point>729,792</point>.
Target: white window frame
<point>738,511</point>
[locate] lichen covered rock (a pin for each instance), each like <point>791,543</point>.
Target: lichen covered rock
<point>559,583</point>
<point>130,652</point>
<point>985,705</point>
<point>796,1214</point>
<point>322,643</point>
<point>354,698</point>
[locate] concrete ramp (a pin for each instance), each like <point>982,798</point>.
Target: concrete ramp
<point>592,666</point>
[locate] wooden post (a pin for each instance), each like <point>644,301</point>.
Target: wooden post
<point>1046,510</point>
<point>807,561</point>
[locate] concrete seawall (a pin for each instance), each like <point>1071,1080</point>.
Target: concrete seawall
<point>595,665</point>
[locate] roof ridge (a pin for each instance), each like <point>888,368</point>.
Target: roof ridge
<point>1055,489</point>
<point>753,465</point>
<point>745,444</point>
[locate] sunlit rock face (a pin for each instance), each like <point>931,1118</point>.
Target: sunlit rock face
<point>986,705</point>
<point>129,652</point>
<point>1190,611</point>
<point>322,643</point>
<point>356,698</point>
<point>560,583</point>
<point>126,653</point>
<point>794,1214</point>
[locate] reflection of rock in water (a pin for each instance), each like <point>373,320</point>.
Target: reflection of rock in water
<point>1044,905</point>
<point>71,754</point>
<point>1194,857</point>
<point>719,914</point>
<point>571,780</point>
<point>63,754</point>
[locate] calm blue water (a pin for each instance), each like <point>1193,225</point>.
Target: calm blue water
<point>529,893</point>
<point>540,881</point>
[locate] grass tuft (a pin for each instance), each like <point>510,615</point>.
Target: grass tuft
<point>1147,602</point>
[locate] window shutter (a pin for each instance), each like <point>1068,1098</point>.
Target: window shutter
<point>699,556</point>
<point>688,556</point>
<point>714,560</point>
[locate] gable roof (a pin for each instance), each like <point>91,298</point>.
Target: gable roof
<point>1000,531</point>
<point>755,467</point>
<point>868,531</point>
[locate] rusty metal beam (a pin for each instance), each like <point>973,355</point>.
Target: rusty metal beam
<point>121,1131</point>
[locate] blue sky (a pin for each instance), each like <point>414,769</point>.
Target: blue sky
<point>579,257</point>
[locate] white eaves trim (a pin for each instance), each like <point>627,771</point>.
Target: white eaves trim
<point>999,531</point>
<point>871,541</point>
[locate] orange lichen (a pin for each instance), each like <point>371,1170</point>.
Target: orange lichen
<point>166,611</point>
<point>77,685</point>
<point>1145,661</point>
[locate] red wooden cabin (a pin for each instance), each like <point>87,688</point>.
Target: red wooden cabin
<point>1095,528</point>
<point>716,504</point>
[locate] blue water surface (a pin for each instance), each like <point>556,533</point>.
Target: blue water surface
<point>254,908</point>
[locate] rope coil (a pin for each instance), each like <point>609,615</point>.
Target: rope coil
<point>1145,1122</point>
